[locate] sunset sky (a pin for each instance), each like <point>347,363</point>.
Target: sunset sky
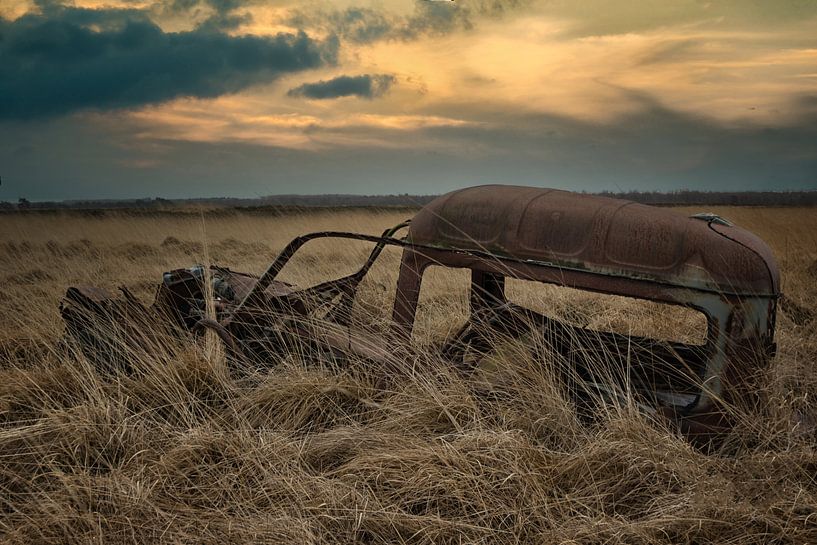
<point>191,98</point>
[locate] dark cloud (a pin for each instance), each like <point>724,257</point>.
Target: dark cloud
<point>653,148</point>
<point>223,13</point>
<point>68,59</point>
<point>361,25</point>
<point>436,18</point>
<point>807,103</point>
<point>363,86</point>
<point>429,18</point>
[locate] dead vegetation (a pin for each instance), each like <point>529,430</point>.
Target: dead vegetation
<point>181,451</point>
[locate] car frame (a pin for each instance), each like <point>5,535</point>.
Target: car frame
<point>591,243</point>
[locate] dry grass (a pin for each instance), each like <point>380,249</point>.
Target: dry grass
<point>182,452</point>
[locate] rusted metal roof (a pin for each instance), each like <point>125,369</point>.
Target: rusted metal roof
<point>601,235</point>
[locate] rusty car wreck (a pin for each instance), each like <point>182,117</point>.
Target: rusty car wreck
<point>591,243</point>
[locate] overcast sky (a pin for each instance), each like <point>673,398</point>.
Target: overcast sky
<point>189,98</point>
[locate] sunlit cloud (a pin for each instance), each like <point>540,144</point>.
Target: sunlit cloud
<point>12,9</point>
<point>230,120</point>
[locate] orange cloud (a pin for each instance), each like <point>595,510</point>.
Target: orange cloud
<point>238,119</point>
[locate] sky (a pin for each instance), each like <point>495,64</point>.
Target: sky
<point>207,98</point>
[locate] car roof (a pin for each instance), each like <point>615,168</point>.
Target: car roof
<point>601,235</point>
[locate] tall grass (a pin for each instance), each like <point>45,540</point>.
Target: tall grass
<point>179,450</point>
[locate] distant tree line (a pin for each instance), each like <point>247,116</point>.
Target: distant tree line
<point>402,200</point>
<point>743,198</point>
<point>683,197</point>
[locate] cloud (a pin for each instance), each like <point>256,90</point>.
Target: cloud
<point>601,17</point>
<point>364,86</point>
<point>67,59</point>
<point>220,14</point>
<point>361,25</point>
<point>366,25</point>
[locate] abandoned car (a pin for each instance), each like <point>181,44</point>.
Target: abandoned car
<point>500,234</point>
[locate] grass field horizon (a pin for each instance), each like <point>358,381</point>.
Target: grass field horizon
<point>183,452</point>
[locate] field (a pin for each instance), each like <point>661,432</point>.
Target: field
<point>184,452</point>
